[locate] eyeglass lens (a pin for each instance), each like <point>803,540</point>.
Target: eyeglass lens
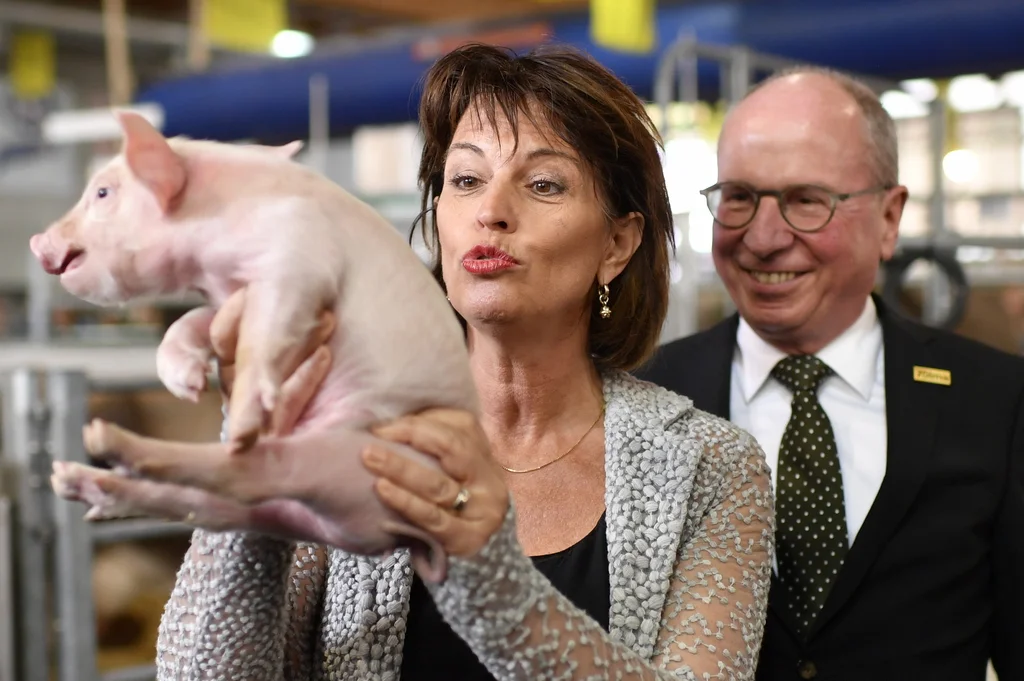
<point>805,208</point>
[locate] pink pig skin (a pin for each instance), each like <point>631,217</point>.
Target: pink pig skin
<point>170,216</point>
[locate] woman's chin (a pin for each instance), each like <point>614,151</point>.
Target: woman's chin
<point>489,316</point>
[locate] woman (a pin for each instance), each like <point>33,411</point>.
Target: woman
<point>639,543</point>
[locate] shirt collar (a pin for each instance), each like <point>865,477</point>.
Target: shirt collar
<point>853,355</point>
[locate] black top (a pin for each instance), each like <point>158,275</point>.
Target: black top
<point>433,652</point>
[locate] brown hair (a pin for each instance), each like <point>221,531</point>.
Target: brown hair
<point>593,112</point>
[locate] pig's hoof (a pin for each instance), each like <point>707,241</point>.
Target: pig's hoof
<point>101,438</point>
<point>185,380</point>
<point>65,482</point>
<point>75,482</point>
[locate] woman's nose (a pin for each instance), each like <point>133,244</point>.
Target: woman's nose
<point>496,210</point>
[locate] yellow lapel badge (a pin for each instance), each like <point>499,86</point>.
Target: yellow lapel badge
<point>930,375</point>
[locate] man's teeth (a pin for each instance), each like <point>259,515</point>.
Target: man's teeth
<point>773,277</point>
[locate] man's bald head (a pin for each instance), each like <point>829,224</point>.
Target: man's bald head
<point>799,289</point>
<point>833,96</point>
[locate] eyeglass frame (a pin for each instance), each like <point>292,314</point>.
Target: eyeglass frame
<point>835,199</point>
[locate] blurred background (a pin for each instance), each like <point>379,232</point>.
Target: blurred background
<point>82,601</point>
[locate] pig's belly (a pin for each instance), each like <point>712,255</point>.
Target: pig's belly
<point>358,403</point>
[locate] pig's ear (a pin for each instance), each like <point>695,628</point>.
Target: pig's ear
<point>289,150</point>
<point>284,151</point>
<point>151,159</point>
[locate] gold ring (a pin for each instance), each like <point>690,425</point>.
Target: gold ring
<point>461,499</point>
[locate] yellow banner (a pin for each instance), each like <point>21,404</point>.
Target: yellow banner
<point>32,66</point>
<point>244,25</point>
<point>623,25</point>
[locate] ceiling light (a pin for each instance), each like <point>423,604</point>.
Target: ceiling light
<point>960,166</point>
<point>1012,85</point>
<point>921,89</point>
<point>976,92</point>
<point>900,104</point>
<point>289,44</point>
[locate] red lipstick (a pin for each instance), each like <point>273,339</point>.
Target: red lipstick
<point>485,259</point>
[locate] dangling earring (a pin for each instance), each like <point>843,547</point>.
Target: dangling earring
<point>602,297</point>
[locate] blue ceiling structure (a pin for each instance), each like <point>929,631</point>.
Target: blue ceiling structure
<point>379,83</point>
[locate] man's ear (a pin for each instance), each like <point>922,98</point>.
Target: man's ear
<point>151,159</point>
<point>892,212</point>
<point>624,240</point>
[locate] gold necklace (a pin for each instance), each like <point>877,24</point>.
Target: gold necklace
<point>562,456</point>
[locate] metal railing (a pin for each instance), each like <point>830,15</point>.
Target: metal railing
<point>47,614</point>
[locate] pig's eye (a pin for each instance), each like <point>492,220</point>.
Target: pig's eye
<point>102,192</point>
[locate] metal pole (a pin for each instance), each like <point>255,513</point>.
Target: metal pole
<point>68,396</point>
<point>6,592</point>
<point>689,80</point>
<point>739,73</point>
<point>24,418</point>
<point>665,75</point>
<point>40,299</point>
<point>319,122</point>
<point>935,294</point>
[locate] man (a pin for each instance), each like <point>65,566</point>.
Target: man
<point>896,449</point>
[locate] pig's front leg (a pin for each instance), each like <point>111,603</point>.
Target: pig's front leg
<point>111,494</point>
<point>281,316</point>
<point>184,354</point>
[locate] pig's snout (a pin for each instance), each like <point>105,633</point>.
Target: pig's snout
<point>36,244</point>
<point>52,256</point>
<point>42,247</point>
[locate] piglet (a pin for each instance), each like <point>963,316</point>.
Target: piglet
<point>247,222</point>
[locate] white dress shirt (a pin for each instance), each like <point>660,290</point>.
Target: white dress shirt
<point>853,398</point>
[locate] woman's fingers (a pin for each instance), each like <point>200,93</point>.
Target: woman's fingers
<point>225,325</point>
<point>224,330</point>
<point>448,435</point>
<point>417,510</point>
<point>430,484</point>
<point>299,388</point>
<point>463,504</point>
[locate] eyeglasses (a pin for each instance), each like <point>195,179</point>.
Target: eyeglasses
<point>806,207</point>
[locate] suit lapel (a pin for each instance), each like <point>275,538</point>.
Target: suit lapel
<point>709,374</point>
<point>912,413</point>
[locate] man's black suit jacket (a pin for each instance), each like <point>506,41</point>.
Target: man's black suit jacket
<point>933,585</point>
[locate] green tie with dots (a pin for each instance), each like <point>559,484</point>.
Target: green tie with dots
<point>811,538</point>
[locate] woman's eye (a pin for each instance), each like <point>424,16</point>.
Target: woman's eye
<point>546,187</point>
<point>102,192</point>
<point>464,182</point>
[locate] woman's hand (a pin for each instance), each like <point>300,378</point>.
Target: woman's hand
<point>303,379</point>
<point>429,498</point>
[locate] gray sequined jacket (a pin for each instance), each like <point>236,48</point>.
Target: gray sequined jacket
<point>689,516</point>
